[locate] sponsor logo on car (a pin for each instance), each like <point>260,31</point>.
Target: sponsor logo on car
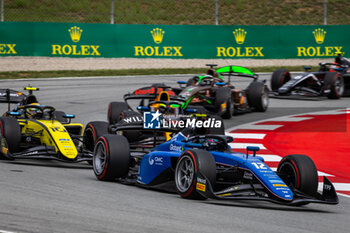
<point>327,187</point>
<point>203,181</point>
<point>132,119</point>
<point>156,160</point>
<point>176,148</point>
<point>152,90</point>
<point>279,185</point>
<point>200,187</point>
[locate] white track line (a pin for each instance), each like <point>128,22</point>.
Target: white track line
<point>2,231</point>
<point>291,119</point>
<point>261,127</point>
<point>271,158</point>
<point>337,186</point>
<point>247,135</point>
<point>324,174</point>
<point>253,125</point>
<point>318,173</point>
<point>344,195</point>
<point>244,145</point>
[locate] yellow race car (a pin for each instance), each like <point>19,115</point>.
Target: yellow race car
<point>31,130</point>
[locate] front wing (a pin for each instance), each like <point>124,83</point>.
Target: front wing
<point>259,192</point>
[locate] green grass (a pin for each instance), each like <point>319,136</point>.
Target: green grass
<point>231,12</point>
<point>86,73</point>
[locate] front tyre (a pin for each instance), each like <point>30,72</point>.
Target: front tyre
<point>10,132</point>
<point>279,77</point>
<point>335,83</point>
<point>92,132</point>
<point>299,172</point>
<point>111,157</point>
<point>189,165</point>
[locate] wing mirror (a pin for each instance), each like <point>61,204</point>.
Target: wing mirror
<point>68,116</point>
<point>252,148</point>
<point>191,110</point>
<point>9,113</point>
<point>142,108</point>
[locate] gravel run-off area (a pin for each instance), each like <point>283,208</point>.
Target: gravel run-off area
<point>59,63</point>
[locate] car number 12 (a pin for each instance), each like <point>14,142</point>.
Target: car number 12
<point>259,165</point>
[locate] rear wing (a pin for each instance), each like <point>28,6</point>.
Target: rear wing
<point>151,93</point>
<point>11,96</point>
<point>236,71</point>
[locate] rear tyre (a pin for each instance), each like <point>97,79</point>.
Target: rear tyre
<point>335,83</point>
<point>189,165</point>
<point>92,132</point>
<point>279,77</point>
<point>299,172</point>
<point>230,108</point>
<point>258,97</point>
<point>10,132</point>
<point>223,97</point>
<point>59,116</point>
<point>111,157</point>
<point>114,111</point>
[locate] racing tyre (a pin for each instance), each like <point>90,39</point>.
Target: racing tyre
<point>111,157</point>
<point>258,97</point>
<point>59,116</point>
<point>299,172</point>
<point>10,138</point>
<point>189,165</point>
<point>114,111</point>
<point>93,131</point>
<point>223,96</point>
<point>335,83</point>
<point>279,77</point>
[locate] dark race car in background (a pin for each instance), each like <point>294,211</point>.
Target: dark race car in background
<point>332,80</point>
<point>172,114</point>
<point>217,96</point>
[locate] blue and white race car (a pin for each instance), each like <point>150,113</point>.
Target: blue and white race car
<point>201,167</point>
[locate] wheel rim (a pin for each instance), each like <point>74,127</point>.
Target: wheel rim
<point>339,86</point>
<point>99,160</point>
<point>232,111</point>
<point>265,99</point>
<point>184,174</point>
<point>288,170</point>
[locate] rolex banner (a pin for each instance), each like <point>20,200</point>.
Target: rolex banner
<point>172,41</point>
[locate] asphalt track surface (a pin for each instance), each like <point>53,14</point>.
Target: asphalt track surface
<point>50,196</point>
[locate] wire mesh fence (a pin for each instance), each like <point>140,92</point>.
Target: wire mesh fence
<point>176,12</point>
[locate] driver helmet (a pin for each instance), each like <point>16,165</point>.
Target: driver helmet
<point>206,80</point>
<point>34,112</point>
